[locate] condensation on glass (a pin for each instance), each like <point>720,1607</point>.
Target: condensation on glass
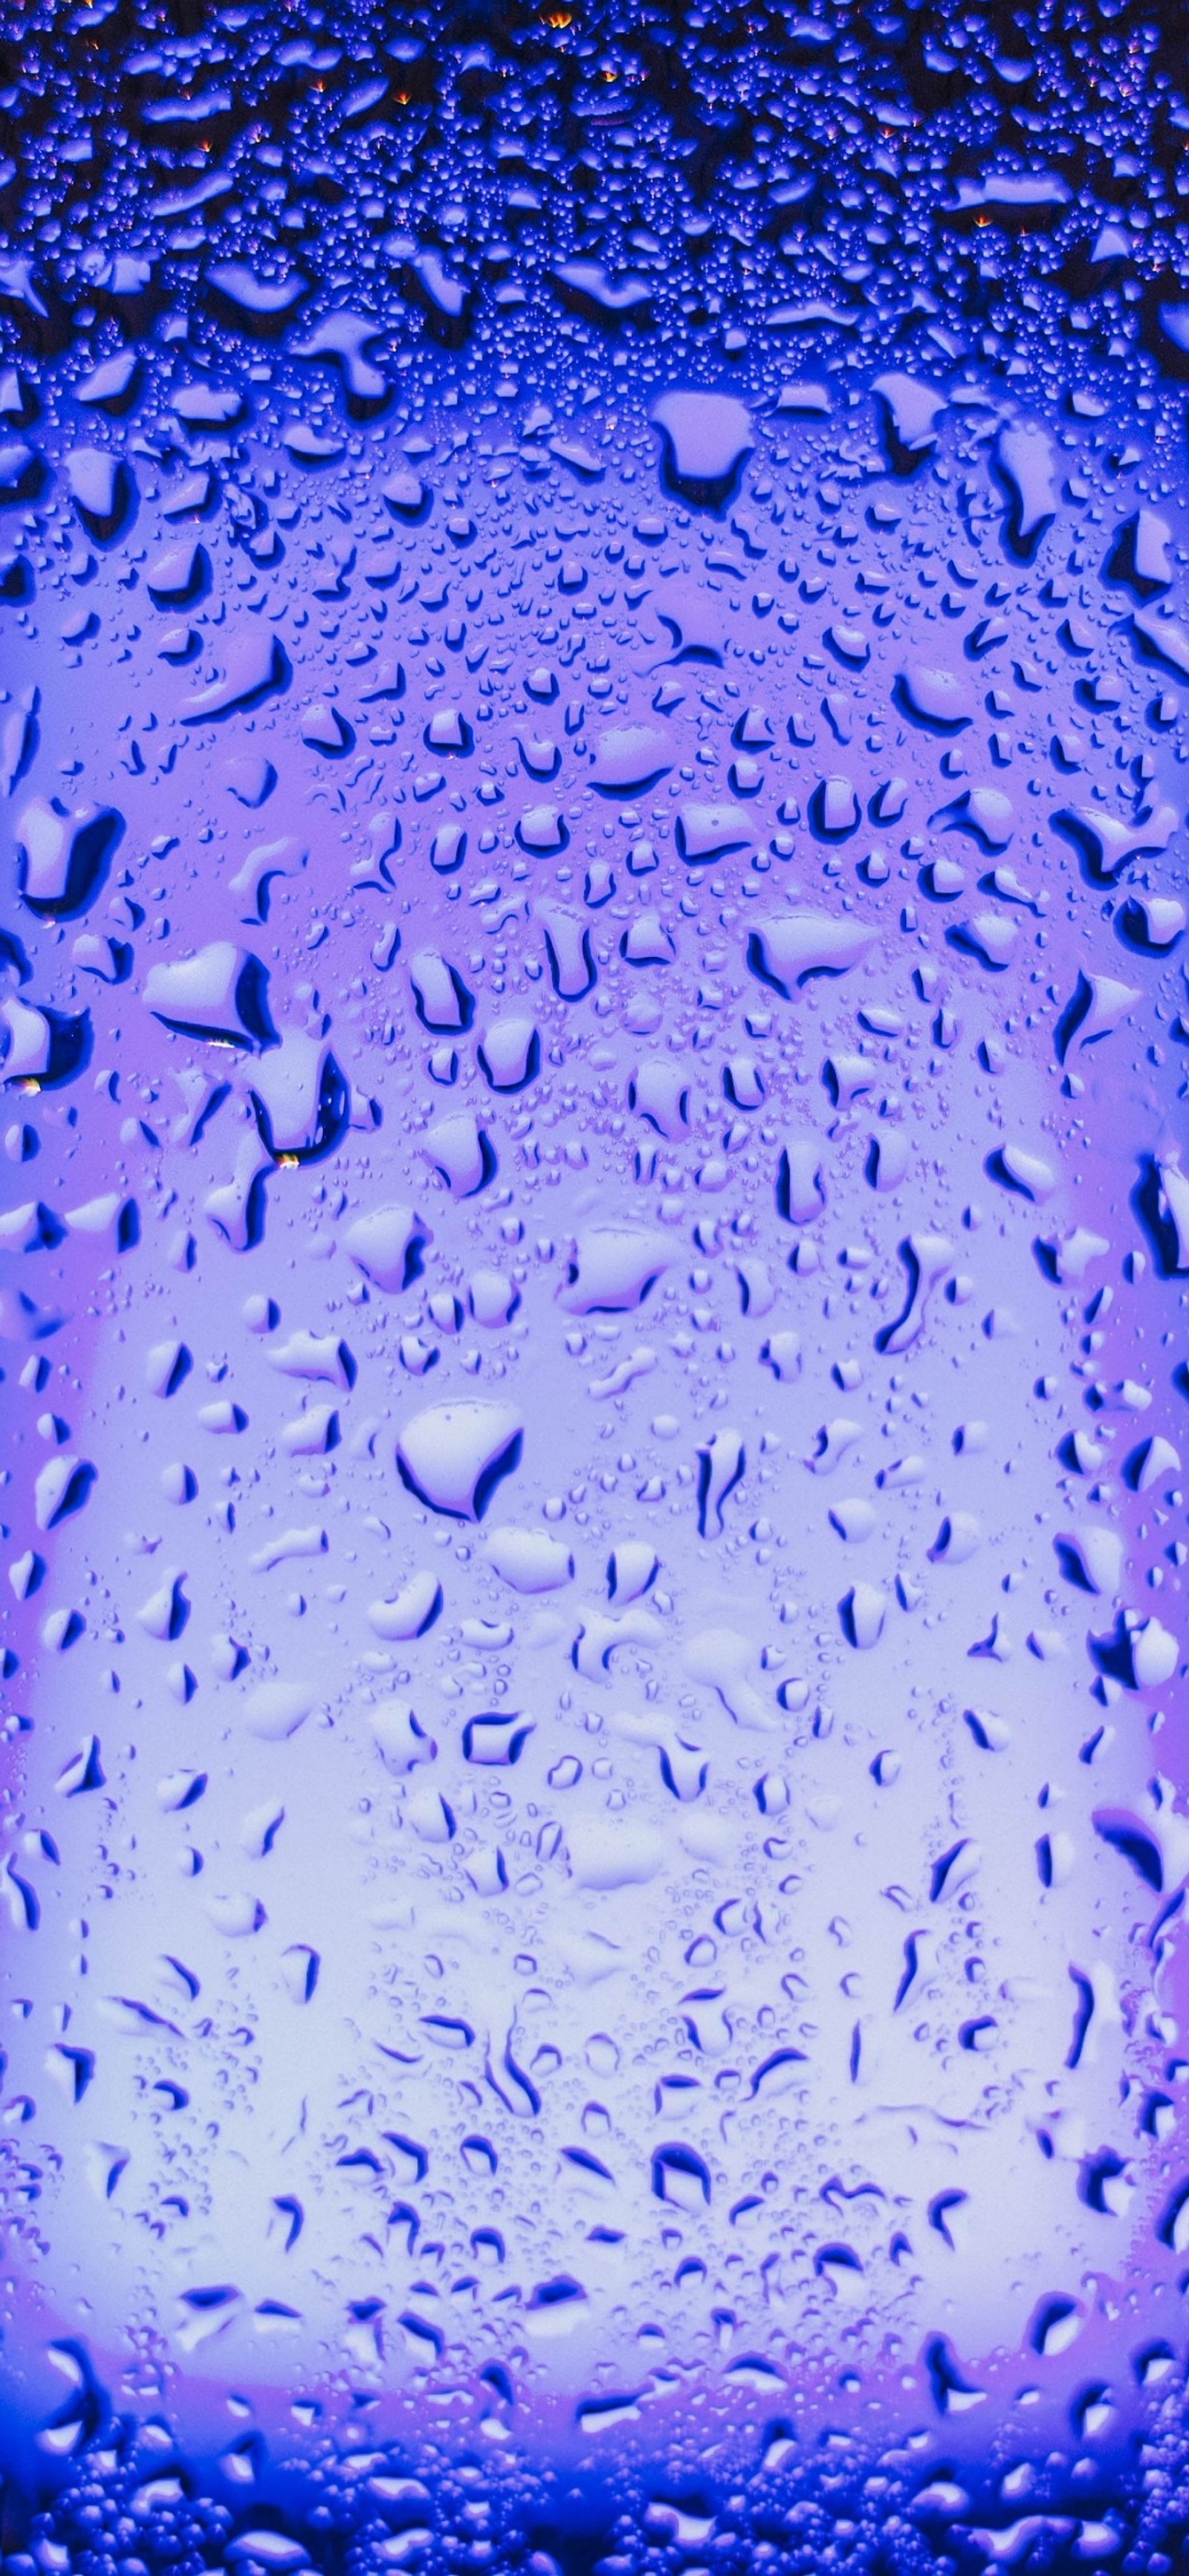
<point>592,1279</point>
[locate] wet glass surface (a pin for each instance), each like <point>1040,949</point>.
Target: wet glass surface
<point>592,1278</point>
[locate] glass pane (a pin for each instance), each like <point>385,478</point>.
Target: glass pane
<point>592,1289</point>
